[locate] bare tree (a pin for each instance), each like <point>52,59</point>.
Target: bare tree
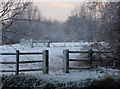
<point>108,24</point>
<point>8,11</point>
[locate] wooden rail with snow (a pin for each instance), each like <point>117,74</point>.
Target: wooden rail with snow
<point>90,59</point>
<point>45,61</point>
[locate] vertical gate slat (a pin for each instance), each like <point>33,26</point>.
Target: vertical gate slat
<point>45,61</point>
<point>66,61</point>
<point>17,62</point>
<point>90,53</point>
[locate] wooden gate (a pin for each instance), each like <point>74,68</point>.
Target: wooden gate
<point>90,59</point>
<point>45,61</point>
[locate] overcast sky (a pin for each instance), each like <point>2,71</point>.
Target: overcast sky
<point>56,10</point>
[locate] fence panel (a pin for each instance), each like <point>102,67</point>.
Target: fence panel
<point>45,62</point>
<point>90,59</point>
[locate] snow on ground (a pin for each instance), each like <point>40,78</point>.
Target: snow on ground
<point>55,54</point>
<point>56,61</point>
<point>100,73</point>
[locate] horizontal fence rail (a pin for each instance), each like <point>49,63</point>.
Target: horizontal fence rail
<point>7,53</point>
<point>31,53</point>
<point>7,70</point>
<point>45,61</point>
<point>90,59</point>
<point>79,67</point>
<point>30,61</point>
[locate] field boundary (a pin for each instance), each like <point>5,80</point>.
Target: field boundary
<point>45,61</point>
<point>90,59</point>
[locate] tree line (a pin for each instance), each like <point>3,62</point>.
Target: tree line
<point>92,21</point>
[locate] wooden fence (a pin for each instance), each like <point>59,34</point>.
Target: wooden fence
<point>45,42</point>
<point>45,61</point>
<point>90,59</point>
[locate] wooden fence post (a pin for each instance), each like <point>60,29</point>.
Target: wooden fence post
<point>114,63</point>
<point>17,62</point>
<point>31,43</point>
<point>64,43</point>
<point>66,61</point>
<point>90,52</point>
<point>48,44</point>
<point>45,61</point>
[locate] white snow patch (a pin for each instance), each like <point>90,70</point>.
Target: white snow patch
<point>56,62</point>
<point>55,55</point>
<point>78,76</point>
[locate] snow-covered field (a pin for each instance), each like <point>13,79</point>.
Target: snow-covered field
<point>55,54</point>
<point>55,61</point>
<point>100,73</point>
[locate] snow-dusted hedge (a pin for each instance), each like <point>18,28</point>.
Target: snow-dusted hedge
<point>29,82</point>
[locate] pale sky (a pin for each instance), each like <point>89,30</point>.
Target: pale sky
<point>56,10</point>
